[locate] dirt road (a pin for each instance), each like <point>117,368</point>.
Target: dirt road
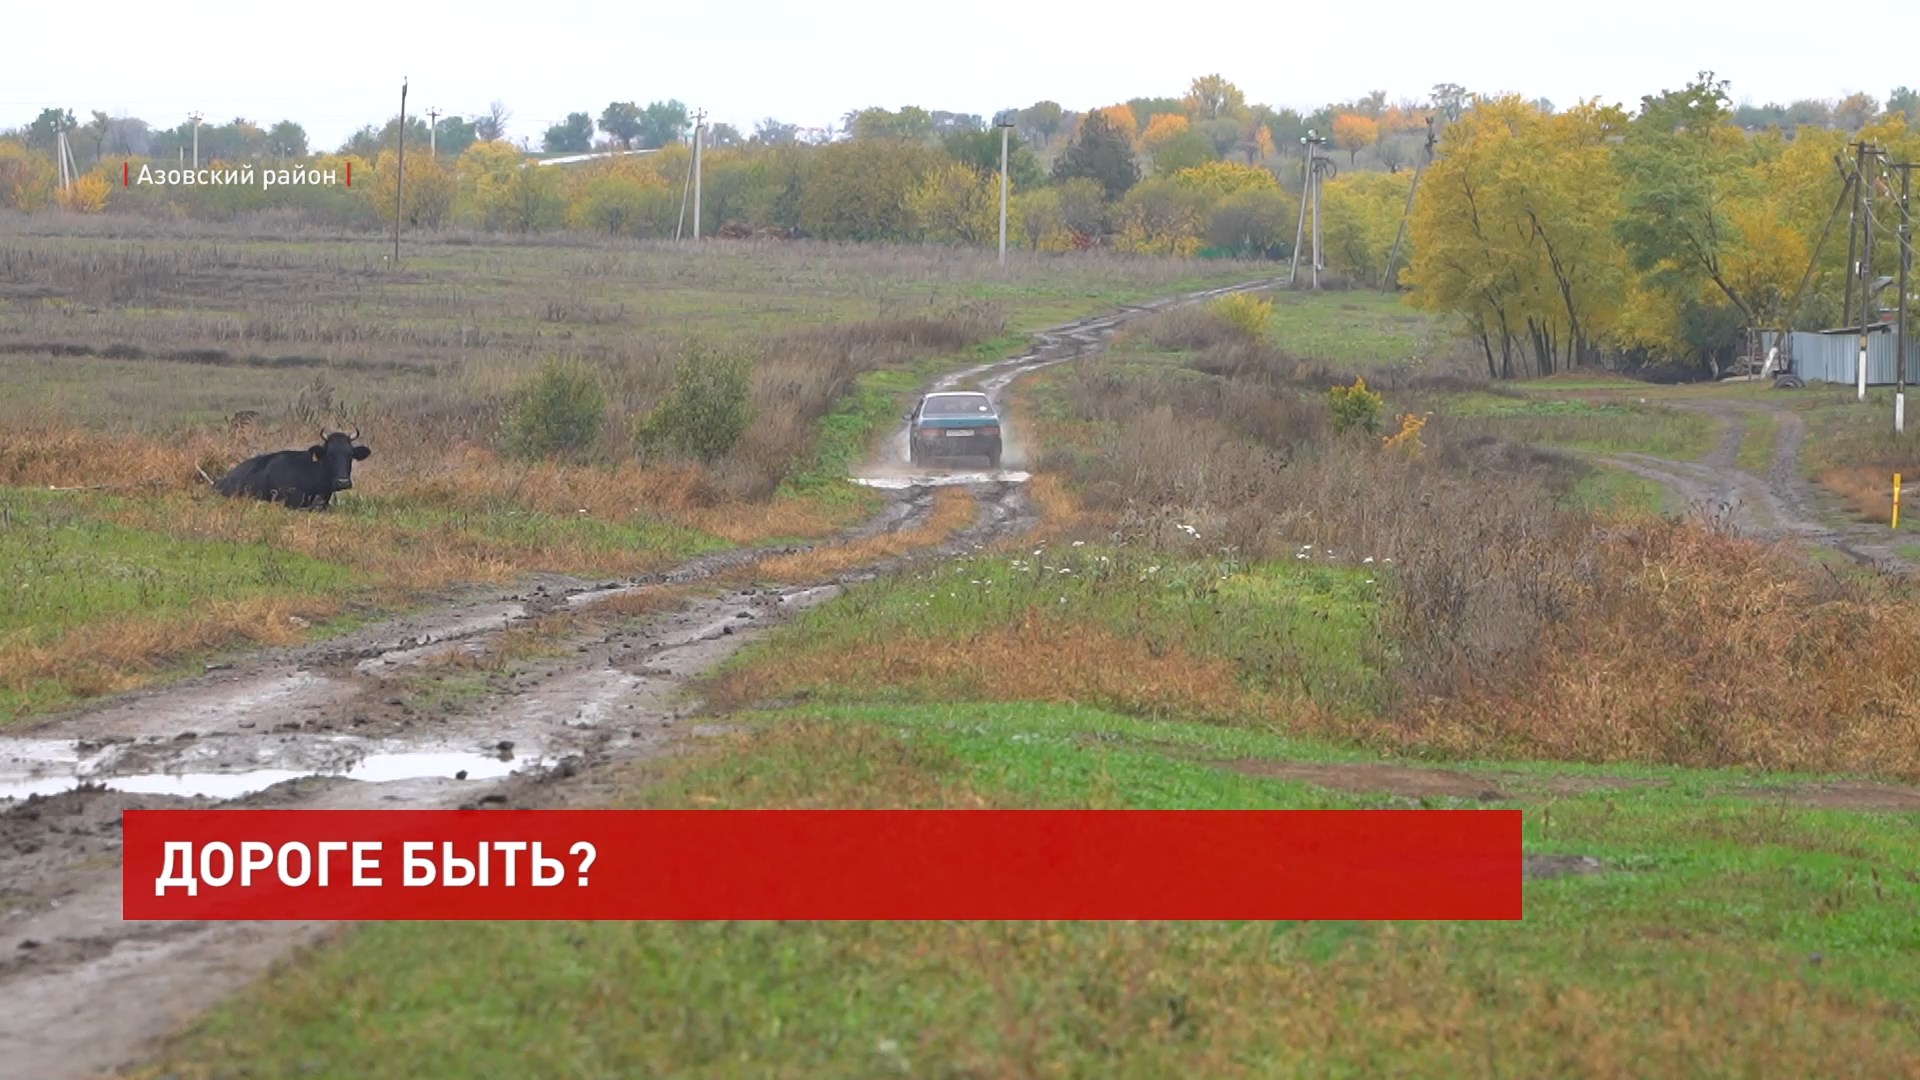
<point>338,726</point>
<point>1779,504</point>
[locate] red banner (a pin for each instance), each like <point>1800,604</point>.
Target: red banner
<point>821,864</point>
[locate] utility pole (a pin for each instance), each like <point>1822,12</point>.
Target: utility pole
<point>1317,168</point>
<point>195,117</point>
<point>1300,229</point>
<point>400,175</point>
<point>1393,256</point>
<point>433,132</point>
<point>699,125</point>
<point>1005,123</point>
<point>1900,321</point>
<point>1853,234</point>
<point>1866,266</point>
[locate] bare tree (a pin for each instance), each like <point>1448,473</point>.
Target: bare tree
<point>493,124</point>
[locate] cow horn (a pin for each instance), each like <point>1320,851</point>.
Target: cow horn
<point>355,437</point>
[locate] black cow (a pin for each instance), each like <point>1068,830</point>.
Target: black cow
<point>302,479</point>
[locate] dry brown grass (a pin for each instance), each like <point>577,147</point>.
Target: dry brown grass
<point>1695,648</point>
<point>125,651</point>
<point>1868,489</point>
<point>953,509</point>
<point>1037,657</point>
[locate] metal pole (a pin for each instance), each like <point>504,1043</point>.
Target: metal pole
<point>433,132</point>
<point>400,175</point>
<point>195,117</point>
<point>1003,192</point>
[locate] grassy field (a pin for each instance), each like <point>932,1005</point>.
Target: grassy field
<point>1228,605</point>
<point>134,356</point>
<point>1730,932</point>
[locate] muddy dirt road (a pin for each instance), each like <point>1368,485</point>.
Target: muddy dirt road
<point>344,725</point>
<point>1778,504</point>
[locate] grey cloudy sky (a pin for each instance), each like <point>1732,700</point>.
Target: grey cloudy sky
<point>326,64</point>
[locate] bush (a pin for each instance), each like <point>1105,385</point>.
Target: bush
<point>1244,312</point>
<point>558,411</point>
<point>1355,406</point>
<point>708,410</point>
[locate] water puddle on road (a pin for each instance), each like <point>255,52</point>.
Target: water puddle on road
<point>901,483</point>
<point>374,768</point>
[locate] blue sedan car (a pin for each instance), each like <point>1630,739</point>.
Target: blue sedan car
<point>958,423</point>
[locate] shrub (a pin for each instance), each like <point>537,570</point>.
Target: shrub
<point>708,409</point>
<point>557,412</point>
<point>1244,312</point>
<point>1355,407</point>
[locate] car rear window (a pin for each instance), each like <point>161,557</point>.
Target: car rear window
<point>958,406</point>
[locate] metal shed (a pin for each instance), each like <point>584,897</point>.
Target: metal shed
<point>1834,355</point>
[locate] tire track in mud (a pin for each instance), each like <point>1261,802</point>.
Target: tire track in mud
<point>1781,504</point>
<point>327,726</point>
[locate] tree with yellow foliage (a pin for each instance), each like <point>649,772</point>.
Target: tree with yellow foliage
<point>1162,127</point>
<point>27,178</point>
<point>954,204</point>
<point>1354,133</point>
<point>1217,179</point>
<point>1120,118</point>
<point>88,195</point>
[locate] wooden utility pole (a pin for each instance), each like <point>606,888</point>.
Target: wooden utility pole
<point>1399,237</point>
<point>400,175</point>
<point>699,126</point>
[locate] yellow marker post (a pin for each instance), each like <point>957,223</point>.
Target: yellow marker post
<point>1896,501</point>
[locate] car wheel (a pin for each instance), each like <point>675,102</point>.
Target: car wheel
<point>993,460</point>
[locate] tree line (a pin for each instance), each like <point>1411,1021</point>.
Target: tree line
<point>1551,236</point>
<point>1556,239</point>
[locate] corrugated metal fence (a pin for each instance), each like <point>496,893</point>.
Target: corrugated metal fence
<point>1836,357</point>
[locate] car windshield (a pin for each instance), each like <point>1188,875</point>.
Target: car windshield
<point>957,406</point>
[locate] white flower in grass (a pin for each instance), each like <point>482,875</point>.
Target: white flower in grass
<point>1079,543</point>
<point>1368,559</point>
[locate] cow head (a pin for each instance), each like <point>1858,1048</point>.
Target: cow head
<point>336,454</point>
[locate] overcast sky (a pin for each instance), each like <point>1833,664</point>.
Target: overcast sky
<point>327,64</point>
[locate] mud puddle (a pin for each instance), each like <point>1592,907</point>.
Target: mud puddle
<point>230,768</point>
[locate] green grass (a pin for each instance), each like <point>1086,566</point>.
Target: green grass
<point>1299,626</point>
<point>1756,441</point>
<point>1595,427</point>
<point>1356,329</point>
<point>61,568</point>
<point>1609,490</point>
<point>1674,960</point>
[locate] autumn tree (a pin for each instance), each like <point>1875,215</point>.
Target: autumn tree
<point>1856,111</point>
<point>956,204</point>
<point>1160,129</point>
<point>1211,97</point>
<point>1101,152</point>
<point>1684,167</point>
<point>859,189</point>
<point>1354,133</point>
